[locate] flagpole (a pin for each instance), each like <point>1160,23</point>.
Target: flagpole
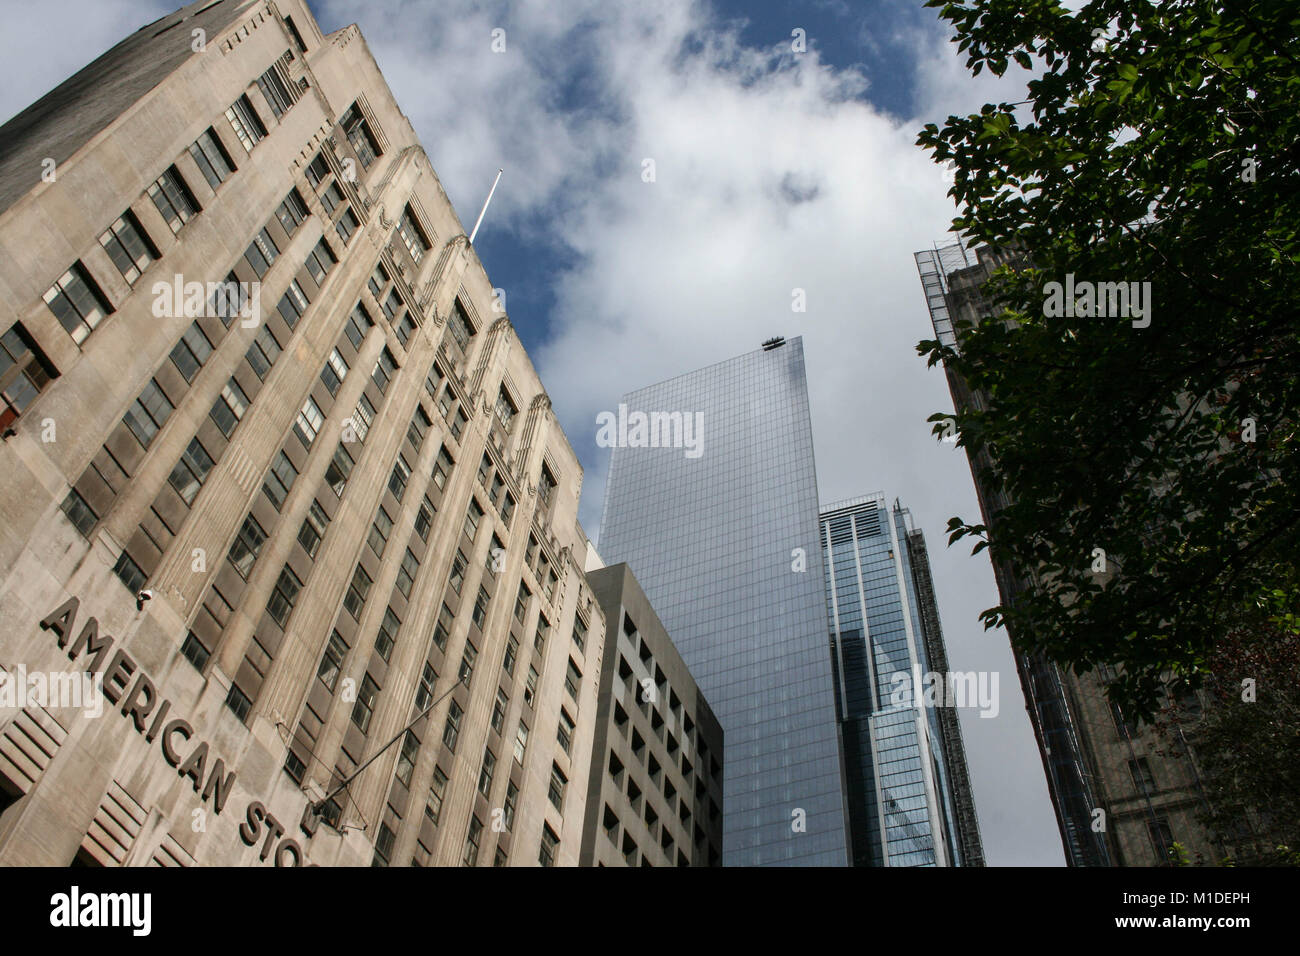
<point>483,211</point>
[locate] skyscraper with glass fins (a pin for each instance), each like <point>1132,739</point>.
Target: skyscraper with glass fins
<point>909,794</point>
<point>715,510</point>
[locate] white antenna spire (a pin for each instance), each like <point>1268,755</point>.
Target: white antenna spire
<point>483,211</point>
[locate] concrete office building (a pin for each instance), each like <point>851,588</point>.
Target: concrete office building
<point>718,521</point>
<point>1095,759</point>
<point>909,793</point>
<point>654,794</point>
<point>281,523</point>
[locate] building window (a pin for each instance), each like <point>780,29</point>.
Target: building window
<point>129,573</point>
<point>473,514</point>
<point>379,531</point>
<point>313,528</point>
<point>481,607</point>
<point>359,323</point>
<point>320,261</point>
<point>77,302</point>
<point>580,633</point>
<point>246,546</point>
<point>378,282</point>
<point>192,650</point>
<point>285,593</point>
<point>412,235</point>
<point>292,212</point>
<point>129,247</point>
<point>246,123</point>
<point>1143,779</point>
<point>332,663</point>
<point>357,130</point>
<point>543,630</point>
<point>229,407</point>
<point>530,685</point>
<point>190,352</point>
<point>458,424</point>
<point>276,91</point>
<point>565,732</point>
<point>512,655</point>
<point>451,731</point>
<point>81,515</point>
<point>1162,838</point>
<point>521,602</point>
<point>442,468</point>
<point>442,630</point>
<point>512,799</point>
<point>292,304</point>
<point>507,508</point>
<point>340,468</point>
<point>521,742</point>
<point>383,845</point>
<point>484,469</point>
<point>363,416</point>
<point>471,841</point>
<point>556,791</point>
<point>331,198</point>
<point>406,573</point>
<point>399,477</point>
<point>385,367</point>
<point>550,844</point>
<point>424,518</point>
<point>467,661</point>
<point>261,252</point>
<point>392,306</point>
<point>505,409</point>
<point>24,372</point>
<point>458,566</point>
<point>263,352</point>
<point>173,199</point>
<point>499,710</point>
<point>545,487</point>
<point>334,372</point>
<point>387,635</point>
<point>572,679</point>
<point>358,592</point>
<point>279,480</point>
<point>210,156</point>
<point>238,702</point>
<point>406,759</point>
<point>308,423</point>
<point>424,693</point>
<point>148,413</point>
<point>317,170</point>
<point>189,474</point>
<point>364,709</point>
<point>347,224</point>
<point>486,772</point>
<point>433,807</point>
<point>459,325</point>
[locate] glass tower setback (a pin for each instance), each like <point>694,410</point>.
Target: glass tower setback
<point>723,538</point>
<point>908,789</point>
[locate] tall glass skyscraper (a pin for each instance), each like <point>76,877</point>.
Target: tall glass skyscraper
<point>909,794</point>
<point>718,519</point>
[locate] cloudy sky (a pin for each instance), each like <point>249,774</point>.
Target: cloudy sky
<point>772,171</point>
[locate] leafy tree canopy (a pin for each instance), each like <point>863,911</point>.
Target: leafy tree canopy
<point>1160,144</point>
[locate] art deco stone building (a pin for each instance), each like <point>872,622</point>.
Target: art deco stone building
<point>284,523</point>
<point>654,793</point>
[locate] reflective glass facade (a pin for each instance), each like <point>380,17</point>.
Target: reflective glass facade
<point>899,753</point>
<point>725,545</point>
